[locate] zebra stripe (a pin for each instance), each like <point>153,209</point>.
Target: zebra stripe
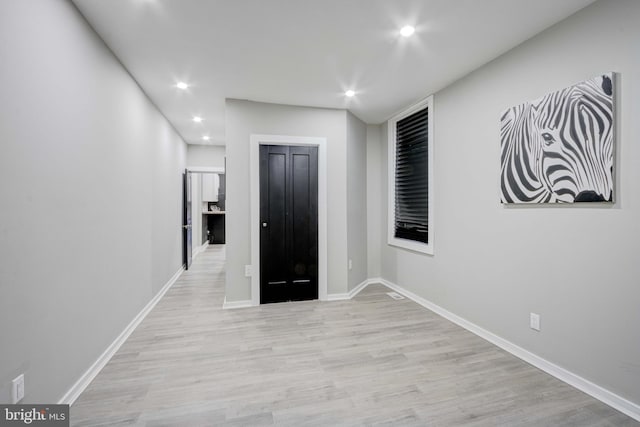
<point>559,148</point>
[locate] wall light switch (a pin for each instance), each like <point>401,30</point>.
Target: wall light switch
<point>247,271</point>
<point>350,264</point>
<point>534,321</point>
<point>17,389</point>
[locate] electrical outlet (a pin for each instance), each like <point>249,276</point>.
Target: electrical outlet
<point>17,389</point>
<point>534,321</point>
<point>247,271</point>
<point>350,264</point>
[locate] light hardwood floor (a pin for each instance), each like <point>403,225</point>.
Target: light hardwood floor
<point>369,361</point>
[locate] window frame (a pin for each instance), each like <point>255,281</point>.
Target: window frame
<point>412,245</point>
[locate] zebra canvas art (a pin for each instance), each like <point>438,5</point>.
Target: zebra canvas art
<point>559,148</point>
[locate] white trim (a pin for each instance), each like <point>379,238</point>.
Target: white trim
<point>617,402</point>
<point>229,305</point>
<point>254,172</point>
<point>205,169</point>
<point>83,382</point>
<point>426,248</point>
<point>352,293</point>
<point>338,297</point>
<point>199,250</point>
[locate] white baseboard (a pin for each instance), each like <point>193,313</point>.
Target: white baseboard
<point>338,297</point>
<point>617,402</point>
<point>74,392</point>
<point>226,305</point>
<point>353,292</point>
<point>199,250</point>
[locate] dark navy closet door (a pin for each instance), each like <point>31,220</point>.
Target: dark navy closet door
<point>288,223</point>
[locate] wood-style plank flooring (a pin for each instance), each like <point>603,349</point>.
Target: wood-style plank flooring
<point>369,361</point>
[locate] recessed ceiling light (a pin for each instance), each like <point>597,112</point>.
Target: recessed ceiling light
<point>197,119</point>
<point>206,137</point>
<point>349,93</point>
<point>407,31</point>
<point>182,85</point>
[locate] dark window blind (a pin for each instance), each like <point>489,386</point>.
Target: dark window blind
<point>412,187</point>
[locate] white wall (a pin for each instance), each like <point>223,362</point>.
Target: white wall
<point>244,118</point>
<point>356,199</point>
<point>205,155</point>
<point>374,199</point>
<point>577,266</point>
<point>90,183</point>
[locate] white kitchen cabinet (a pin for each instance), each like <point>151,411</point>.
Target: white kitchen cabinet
<point>210,187</point>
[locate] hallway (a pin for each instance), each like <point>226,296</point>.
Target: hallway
<point>371,360</point>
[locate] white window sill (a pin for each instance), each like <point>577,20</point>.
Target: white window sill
<point>423,248</point>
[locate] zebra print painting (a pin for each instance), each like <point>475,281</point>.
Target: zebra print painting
<point>559,148</point>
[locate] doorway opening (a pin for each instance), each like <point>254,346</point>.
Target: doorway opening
<point>204,210</point>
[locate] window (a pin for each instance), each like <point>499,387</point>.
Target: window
<point>411,177</point>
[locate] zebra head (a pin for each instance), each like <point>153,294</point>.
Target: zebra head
<point>561,146</point>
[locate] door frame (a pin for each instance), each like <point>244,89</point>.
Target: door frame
<point>205,169</point>
<point>256,140</point>
<point>187,220</point>
<point>201,170</point>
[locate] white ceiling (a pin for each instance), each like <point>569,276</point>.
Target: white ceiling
<point>305,52</point>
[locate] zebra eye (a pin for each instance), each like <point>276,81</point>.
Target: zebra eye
<point>548,138</point>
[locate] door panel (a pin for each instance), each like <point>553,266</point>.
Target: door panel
<point>289,223</point>
<point>304,224</point>
<point>274,263</point>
